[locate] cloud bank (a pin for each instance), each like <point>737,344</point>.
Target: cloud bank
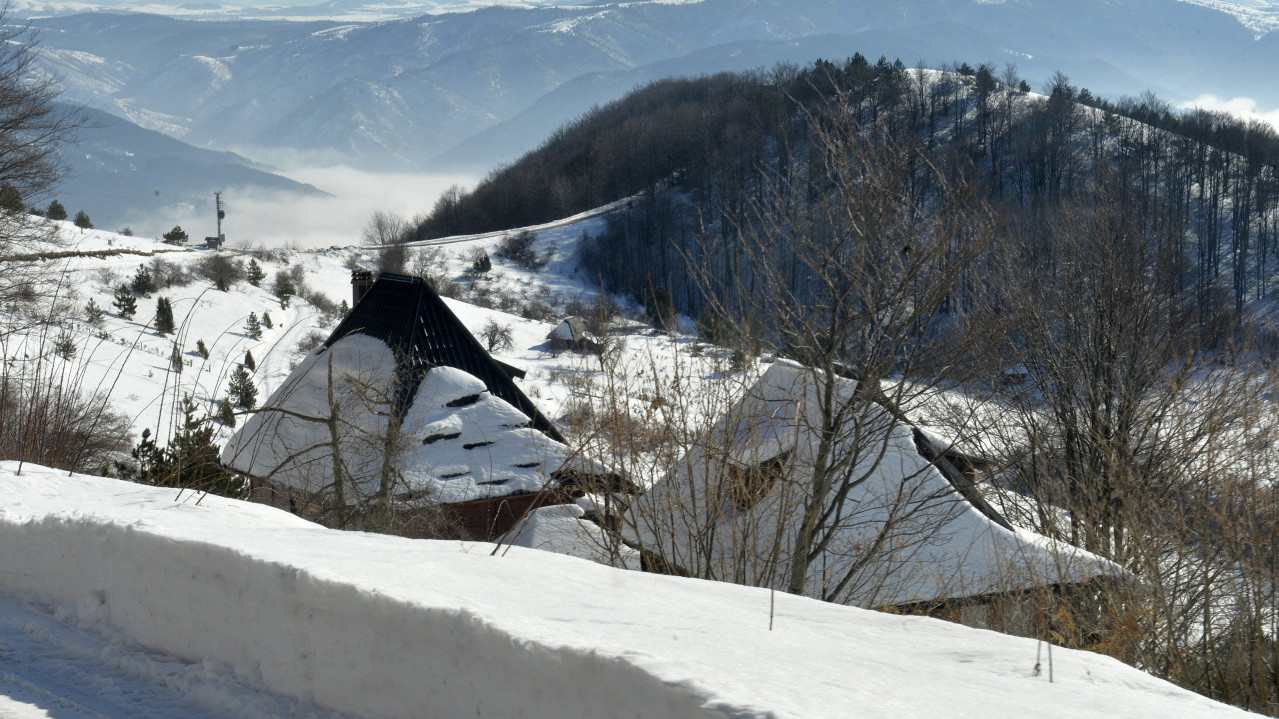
<point>278,219</point>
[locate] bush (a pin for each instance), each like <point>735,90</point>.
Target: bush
<point>221,270</point>
<point>53,424</point>
<point>518,248</point>
<point>311,340</point>
<point>169,274</point>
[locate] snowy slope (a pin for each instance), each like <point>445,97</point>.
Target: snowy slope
<point>382,626</point>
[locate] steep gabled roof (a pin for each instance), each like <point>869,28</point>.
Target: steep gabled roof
<point>903,531</point>
<point>411,318</point>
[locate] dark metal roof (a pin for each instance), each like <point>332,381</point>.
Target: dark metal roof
<point>411,318</point>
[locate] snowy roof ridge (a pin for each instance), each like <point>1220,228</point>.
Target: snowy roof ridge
<point>410,317</point>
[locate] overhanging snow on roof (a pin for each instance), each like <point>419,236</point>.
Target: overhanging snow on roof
<point>902,534</point>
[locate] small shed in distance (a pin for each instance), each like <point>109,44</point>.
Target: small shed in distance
<point>573,334</point>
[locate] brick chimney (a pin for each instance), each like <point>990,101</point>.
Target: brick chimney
<point>361,283</point>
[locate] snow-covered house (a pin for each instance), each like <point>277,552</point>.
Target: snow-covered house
<point>405,407</point>
<point>902,527</point>
<point>573,334</point>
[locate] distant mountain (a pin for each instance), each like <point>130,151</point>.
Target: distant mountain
<point>122,174</point>
<point>407,92</point>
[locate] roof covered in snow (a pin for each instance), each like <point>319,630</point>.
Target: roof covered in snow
<point>903,533</point>
<point>409,317</point>
<point>350,409</point>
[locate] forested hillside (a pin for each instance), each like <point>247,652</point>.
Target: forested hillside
<point>712,145</point>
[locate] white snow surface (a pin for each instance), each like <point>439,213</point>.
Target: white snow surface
<point>380,626</point>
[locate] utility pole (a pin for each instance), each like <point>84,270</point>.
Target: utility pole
<point>217,200</point>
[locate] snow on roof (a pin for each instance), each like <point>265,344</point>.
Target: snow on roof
<point>454,443</point>
<point>382,626</point>
<point>932,543</point>
<point>572,329</point>
<point>561,528</point>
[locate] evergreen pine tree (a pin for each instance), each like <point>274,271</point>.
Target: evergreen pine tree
<point>176,236</point>
<point>82,220</point>
<point>255,275</point>
<point>242,391</point>
<point>143,283</point>
<point>175,359</point>
<point>93,313</point>
<point>56,211</point>
<point>201,349</point>
<point>190,460</point>
<point>10,199</point>
<point>266,320</point>
<point>64,345</point>
<point>249,363</point>
<point>252,327</point>
<point>344,309</point>
<point>164,316</point>
<point>226,413</point>
<point>125,303</point>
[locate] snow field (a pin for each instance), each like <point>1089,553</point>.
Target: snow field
<point>380,626</point>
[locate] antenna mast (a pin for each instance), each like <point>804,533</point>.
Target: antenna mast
<point>217,200</point>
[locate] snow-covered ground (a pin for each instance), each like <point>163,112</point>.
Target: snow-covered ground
<point>280,617</point>
<point>130,361</point>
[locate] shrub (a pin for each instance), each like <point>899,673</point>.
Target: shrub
<point>221,270</point>
<point>518,248</point>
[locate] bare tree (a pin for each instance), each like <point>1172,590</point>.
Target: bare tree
<point>385,228</point>
<point>855,273</point>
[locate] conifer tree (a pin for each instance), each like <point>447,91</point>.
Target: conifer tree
<point>82,220</point>
<point>56,211</point>
<point>201,349</point>
<point>344,309</point>
<point>10,199</point>
<point>64,345</point>
<point>266,320</point>
<point>176,236</point>
<point>251,365</point>
<point>143,283</point>
<point>93,313</point>
<point>241,389</point>
<point>125,303</point>
<point>255,274</point>
<point>252,327</point>
<point>164,316</point>
<point>175,359</point>
<point>226,413</point>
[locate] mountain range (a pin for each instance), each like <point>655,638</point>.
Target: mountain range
<point>471,89</point>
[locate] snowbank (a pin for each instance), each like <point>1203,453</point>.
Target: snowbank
<point>381,626</point>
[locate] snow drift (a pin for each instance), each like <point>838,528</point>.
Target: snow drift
<point>381,626</point>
